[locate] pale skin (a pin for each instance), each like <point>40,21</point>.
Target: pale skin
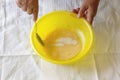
<point>88,9</point>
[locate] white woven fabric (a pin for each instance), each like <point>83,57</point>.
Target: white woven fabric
<point>18,61</point>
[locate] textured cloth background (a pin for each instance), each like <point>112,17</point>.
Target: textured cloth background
<point>18,61</point>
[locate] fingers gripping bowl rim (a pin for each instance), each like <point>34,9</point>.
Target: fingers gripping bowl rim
<point>58,20</point>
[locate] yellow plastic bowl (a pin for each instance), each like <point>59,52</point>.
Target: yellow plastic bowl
<point>66,20</point>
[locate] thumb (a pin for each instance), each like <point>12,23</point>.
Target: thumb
<point>35,14</point>
<point>90,16</point>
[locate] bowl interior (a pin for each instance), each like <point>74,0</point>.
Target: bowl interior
<point>62,20</point>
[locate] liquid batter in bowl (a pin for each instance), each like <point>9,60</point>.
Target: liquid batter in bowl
<point>62,44</point>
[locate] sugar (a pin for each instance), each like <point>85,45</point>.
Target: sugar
<point>65,41</point>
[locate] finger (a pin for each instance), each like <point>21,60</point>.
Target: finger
<point>90,16</point>
<point>76,10</point>
<point>24,8</point>
<point>90,19</point>
<point>81,11</point>
<point>30,10</point>
<point>18,3</point>
<point>85,15</point>
<point>35,14</point>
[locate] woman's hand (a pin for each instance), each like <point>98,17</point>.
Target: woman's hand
<point>29,6</point>
<point>88,10</point>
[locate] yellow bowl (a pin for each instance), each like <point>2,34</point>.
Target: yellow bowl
<point>66,20</point>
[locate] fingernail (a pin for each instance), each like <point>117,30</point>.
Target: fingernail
<point>78,15</point>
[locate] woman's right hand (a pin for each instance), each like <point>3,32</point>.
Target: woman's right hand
<point>88,10</point>
<point>29,6</point>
